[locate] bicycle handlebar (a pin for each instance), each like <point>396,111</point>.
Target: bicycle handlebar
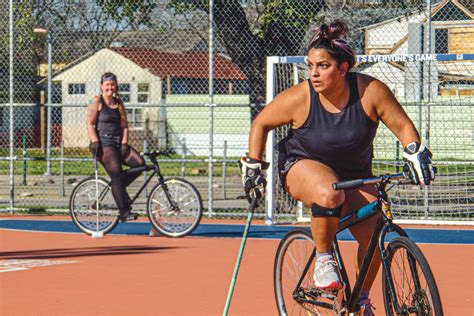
<point>353,184</point>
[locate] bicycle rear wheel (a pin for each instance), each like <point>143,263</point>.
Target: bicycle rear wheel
<point>414,285</point>
<point>292,256</point>
<point>180,216</point>
<point>83,209</point>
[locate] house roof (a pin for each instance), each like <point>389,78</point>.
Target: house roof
<point>444,11</point>
<point>173,65</point>
<point>181,65</point>
<point>467,6</point>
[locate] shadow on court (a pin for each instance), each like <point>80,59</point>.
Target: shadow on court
<point>83,252</point>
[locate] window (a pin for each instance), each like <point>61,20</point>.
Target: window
<point>135,117</point>
<point>441,41</point>
<point>143,93</point>
<point>124,91</point>
<point>77,88</point>
<point>179,86</point>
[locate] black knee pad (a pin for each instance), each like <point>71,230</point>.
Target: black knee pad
<point>319,211</point>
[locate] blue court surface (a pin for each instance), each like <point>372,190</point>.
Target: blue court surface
<point>432,236</point>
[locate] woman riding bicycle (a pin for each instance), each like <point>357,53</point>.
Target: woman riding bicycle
<point>107,127</point>
<point>334,116</point>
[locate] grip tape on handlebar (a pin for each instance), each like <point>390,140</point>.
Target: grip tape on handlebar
<point>352,184</point>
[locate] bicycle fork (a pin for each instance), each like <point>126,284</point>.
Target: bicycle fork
<point>173,205</point>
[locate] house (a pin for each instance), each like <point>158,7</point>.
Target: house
<point>447,84</point>
<point>452,32</point>
<point>147,77</point>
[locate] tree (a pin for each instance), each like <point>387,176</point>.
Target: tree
<point>86,26</point>
<point>250,33</point>
<point>24,70</point>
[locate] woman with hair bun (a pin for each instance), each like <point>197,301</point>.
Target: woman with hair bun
<point>334,117</point>
<point>107,127</point>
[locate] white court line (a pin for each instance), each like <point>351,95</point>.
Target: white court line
<point>26,264</point>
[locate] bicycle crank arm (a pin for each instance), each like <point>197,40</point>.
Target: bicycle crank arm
<point>338,308</point>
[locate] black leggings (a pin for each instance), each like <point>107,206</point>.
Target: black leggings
<point>112,162</point>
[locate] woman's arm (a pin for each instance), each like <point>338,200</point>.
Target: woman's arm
<point>123,122</point>
<point>92,113</point>
<point>391,113</point>
<point>279,112</point>
<point>416,156</point>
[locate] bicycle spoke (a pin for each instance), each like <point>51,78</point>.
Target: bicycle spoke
<point>292,257</point>
<point>414,286</point>
<point>179,216</point>
<point>83,207</point>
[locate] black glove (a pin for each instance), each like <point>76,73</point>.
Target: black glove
<point>94,148</point>
<point>253,178</point>
<point>418,163</point>
<point>124,151</point>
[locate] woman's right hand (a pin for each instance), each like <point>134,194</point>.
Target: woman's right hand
<point>94,148</point>
<point>124,151</point>
<point>253,177</point>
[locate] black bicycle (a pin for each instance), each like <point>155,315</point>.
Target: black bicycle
<point>409,287</point>
<point>174,205</point>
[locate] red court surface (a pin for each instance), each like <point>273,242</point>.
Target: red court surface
<point>139,275</point>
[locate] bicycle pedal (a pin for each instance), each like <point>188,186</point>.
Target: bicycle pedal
<point>129,217</point>
<point>325,293</point>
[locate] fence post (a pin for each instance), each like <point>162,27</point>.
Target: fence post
<point>183,158</point>
<point>145,176</point>
<point>428,98</point>
<point>397,155</point>
<point>12,165</point>
<point>62,168</point>
<point>211,105</point>
<point>224,171</point>
<point>23,142</point>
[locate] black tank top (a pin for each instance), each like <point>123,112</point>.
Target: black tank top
<point>108,120</point>
<point>343,141</point>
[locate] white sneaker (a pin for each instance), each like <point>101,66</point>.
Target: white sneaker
<point>325,274</point>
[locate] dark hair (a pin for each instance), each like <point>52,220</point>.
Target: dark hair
<point>111,76</point>
<point>108,76</point>
<point>332,38</point>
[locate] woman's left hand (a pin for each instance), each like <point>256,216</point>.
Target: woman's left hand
<point>124,150</point>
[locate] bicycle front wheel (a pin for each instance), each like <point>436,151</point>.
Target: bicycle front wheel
<point>292,256</point>
<point>415,288</point>
<point>83,206</point>
<point>179,215</point>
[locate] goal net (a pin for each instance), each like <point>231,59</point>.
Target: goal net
<point>437,92</point>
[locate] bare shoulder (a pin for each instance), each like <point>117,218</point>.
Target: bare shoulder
<point>372,86</point>
<point>294,96</point>
<point>93,104</point>
<point>94,101</point>
<point>285,108</point>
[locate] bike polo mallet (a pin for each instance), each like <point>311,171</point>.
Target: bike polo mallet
<point>97,233</point>
<point>253,205</point>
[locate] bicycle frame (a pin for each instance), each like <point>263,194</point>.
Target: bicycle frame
<point>156,171</point>
<point>383,226</point>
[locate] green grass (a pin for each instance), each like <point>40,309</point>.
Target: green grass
<point>87,167</point>
<point>174,168</point>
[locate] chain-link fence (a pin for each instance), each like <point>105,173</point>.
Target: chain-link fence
<point>191,85</point>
